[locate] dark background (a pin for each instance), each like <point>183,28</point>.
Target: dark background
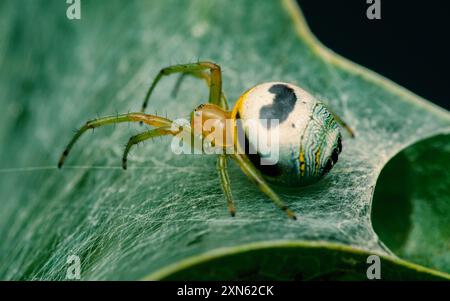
<point>409,45</point>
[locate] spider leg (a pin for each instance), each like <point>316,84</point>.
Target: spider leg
<point>341,122</point>
<point>152,120</point>
<point>251,172</point>
<point>225,181</point>
<point>165,130</point>
<point>215,82</point>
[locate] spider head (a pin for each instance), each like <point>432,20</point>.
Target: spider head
<point>213,123</point>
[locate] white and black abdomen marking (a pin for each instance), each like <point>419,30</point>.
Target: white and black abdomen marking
<point>282,105</point>
<point>309,137</point>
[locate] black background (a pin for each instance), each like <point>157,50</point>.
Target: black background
<point>81,290</point>
<point>409,45</point>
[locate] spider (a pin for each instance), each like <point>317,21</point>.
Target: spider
<point>309,137</point>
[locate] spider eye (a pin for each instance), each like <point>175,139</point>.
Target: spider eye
<point>200,107</point>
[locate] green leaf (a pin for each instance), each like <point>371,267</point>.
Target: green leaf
<point>166,217</point>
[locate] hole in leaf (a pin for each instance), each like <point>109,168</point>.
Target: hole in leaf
<point>411,205</point>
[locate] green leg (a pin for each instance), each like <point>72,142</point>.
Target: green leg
<point>130,117</point>
<point>215,82</point>
<point>248,168</point>
<point>341,122</point>
<point>166,130</point>
<point>225,181</point>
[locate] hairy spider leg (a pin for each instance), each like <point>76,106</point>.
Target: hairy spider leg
<point>152,120</point>
<point>341,122</point>
<point>249,169</point>
<point>225,182</point>
<point>161,131</point>
<point>215,81</point>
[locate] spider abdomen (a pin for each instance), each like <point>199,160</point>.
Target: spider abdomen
<point>307,140</point>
